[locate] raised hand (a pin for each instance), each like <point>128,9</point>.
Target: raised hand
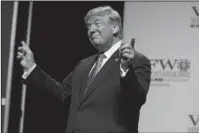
<point>127,53</point>
<point>25,56</point>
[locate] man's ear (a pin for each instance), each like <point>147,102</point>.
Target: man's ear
<point>115,29</point>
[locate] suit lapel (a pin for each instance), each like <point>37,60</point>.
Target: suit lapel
<point>113,61</point>
<point>85,69</point>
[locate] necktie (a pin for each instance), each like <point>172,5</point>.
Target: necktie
<point>94,72</point>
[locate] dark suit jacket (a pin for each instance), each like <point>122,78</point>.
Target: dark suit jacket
<point>111,105</point>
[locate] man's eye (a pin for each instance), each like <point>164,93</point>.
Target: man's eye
<point>88,26</point>
<point>97,23</point>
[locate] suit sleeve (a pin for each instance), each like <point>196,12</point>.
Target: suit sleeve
<point>39,79</point>
<point>137,80</point>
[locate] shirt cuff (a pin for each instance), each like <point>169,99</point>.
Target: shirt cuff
<point>122,72</point>
<point>27,73</point>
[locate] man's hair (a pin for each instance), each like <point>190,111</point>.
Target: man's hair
<point>113,15</point>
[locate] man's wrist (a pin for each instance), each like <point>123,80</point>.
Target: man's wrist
<point>29,67</point>
<point>27,72</point>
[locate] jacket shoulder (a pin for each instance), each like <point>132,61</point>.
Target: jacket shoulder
<point>141,57</point>
<point>88,58</point>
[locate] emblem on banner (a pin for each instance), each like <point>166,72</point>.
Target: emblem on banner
<point>195,20</point>
<point>195,121</point>
<point>183,65</point>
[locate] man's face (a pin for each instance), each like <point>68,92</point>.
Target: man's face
<point>100,32</point>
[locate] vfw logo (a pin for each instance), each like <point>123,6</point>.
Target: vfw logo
<point>170,64</point>
<point>165,71</point>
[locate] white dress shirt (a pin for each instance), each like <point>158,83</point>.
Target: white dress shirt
<point>108,54</point>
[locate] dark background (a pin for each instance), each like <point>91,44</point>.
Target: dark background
<point>58,40</point>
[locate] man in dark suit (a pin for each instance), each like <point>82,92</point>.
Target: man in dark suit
<point>108,89</point>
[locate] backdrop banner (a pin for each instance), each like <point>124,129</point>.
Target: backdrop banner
<point>168,34</point>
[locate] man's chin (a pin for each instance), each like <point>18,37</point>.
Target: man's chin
<point>97,46</point>
<point>96,43</point>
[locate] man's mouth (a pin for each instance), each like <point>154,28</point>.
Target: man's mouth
<point>93,37</point>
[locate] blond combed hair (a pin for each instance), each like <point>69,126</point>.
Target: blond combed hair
<point>113,15</point>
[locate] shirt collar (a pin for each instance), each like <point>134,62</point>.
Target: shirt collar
<point>113,49</point>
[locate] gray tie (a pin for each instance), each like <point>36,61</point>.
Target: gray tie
<point>94,72</point>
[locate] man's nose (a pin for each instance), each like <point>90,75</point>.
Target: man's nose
<point>92,29</point>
